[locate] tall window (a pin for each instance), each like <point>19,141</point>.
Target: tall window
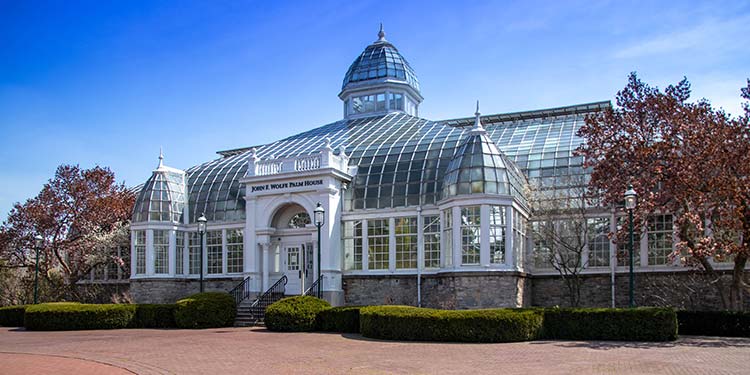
<point>179,253</point>
<point>406,242</point>
<point>542,251</point>
<point>378,242</point>
<point>396,101</point>
<point>431,233</point>
<point>214,252</point>
<point>194,253</point>
<point>352,238</point>
<point>598,242</point>
<point>161,251</point>
<point>519,236</point>
<point>497,234</point>
<point>234,250</point>
<point>448,237</point>
<point>659,239</point>
<point>470,235</point>
<point>140,252</point>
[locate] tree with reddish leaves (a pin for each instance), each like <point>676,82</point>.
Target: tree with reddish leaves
<point>683,158</point>
<point>81,214</point>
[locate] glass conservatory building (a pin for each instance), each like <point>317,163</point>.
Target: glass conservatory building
<point>417,211</point>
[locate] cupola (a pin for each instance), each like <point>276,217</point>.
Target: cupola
<point>162,198</point>
<point>380,81</point>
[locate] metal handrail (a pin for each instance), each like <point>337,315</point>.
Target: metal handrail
<point>241,291</point>
<point>273,294</point>
<point>314,289</point>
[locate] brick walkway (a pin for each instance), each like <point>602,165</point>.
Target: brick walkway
<point>243,350</point>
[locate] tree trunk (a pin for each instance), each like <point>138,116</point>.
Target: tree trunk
<point>716,280</point>
<point>738,287</point>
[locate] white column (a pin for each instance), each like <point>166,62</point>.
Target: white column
<point>484,232</point>
<point>391,244</point>
<point>185,253</point>
<point>457,245</point>
<point>132,253</point>
<point>149,252</point>
<point>224,251</point>
<point>172,252</point>
<point>509,256</point>
<point>265,246</point>
<point>420,239</point>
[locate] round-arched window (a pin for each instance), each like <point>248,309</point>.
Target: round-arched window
<point>299,220</point>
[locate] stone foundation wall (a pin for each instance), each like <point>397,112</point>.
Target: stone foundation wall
<point>685,290</point>
<point>171,290</point>
<point>453,290</point>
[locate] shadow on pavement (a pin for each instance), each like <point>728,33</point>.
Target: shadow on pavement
<point>684,341</point>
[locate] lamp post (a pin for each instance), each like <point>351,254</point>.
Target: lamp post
<point>630,203</point>
<point>38,241</point>
<point>202,230</point>
<point>320,219</point>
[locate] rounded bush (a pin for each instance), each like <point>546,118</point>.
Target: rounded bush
<point>294,314</point>
<point>12,316</point>
<point>154,316</point>
<point>76,316</point>
<point>343,319</point>
<point>205,310</point>
<point>412,323</point>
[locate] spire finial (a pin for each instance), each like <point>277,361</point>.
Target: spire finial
<point>161,157</point>
<point>381,34</point>
<point>477,121</point>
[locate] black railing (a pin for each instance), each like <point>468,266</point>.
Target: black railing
<point>273,294</point>
<point>241,291</point>
<point>314,289</point>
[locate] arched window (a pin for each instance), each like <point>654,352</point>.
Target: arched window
<point>299,220</point>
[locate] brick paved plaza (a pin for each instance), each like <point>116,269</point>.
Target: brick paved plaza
<point>243,350</point>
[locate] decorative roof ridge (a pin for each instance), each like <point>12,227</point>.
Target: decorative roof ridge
<point>539,113</point>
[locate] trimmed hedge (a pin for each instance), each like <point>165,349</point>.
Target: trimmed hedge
<point>714,323</point>
<point>294,314</point>
<point>76,316</point>
<point>639,324</point>
<point>154,316</point>
<point>205,310</point>
<point>339,319</point>
<point>412,323</point>
<point>12,316</point>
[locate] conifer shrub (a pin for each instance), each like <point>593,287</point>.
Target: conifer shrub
<point>638,324</point>
<point>294,314</point>
<point>487,325</point>
<point>714,323</point>
<point>343,319</point>
<point>76,316</point>
<point>12,316</point>
<point>205,310</point>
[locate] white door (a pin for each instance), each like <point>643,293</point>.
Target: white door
<point>292,257</point>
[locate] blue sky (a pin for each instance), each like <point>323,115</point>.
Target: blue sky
<point>108,83</point>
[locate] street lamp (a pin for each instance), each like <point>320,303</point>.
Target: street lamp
<point>630,202</point>
<point>38,242</point>
<point>202,230</point>
<point>320,219</point>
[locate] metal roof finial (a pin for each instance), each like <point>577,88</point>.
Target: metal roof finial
<point>477,122</point>
<point>381,34</point>
<point>161,158</point>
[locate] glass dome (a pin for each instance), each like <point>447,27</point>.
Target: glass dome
<point>478,167</point>
<point>378,61</point>
<point>162,198</point>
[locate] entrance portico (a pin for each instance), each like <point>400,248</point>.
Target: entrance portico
<point>280,239</point>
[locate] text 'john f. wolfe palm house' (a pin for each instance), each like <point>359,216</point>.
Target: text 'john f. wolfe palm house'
<point>402,196</point>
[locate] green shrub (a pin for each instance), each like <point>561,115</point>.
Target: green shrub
<point>412,323</point>
<point>75,316</point>
<point>205,310</point>
<point>714,323</point>
<point>294,314</point>
<point>339,319</point>
<point>154,316</point>
<point>639,324</point>
<point>12,316</point>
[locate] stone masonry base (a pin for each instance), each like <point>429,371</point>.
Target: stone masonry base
<point>171,290</point>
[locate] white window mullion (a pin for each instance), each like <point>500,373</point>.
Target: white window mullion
<point>365,247</point>
<point>392,244</point>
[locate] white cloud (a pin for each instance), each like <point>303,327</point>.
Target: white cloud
<point>710,36</point>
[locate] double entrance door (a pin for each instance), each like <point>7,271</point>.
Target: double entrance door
<point>297,264</point>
